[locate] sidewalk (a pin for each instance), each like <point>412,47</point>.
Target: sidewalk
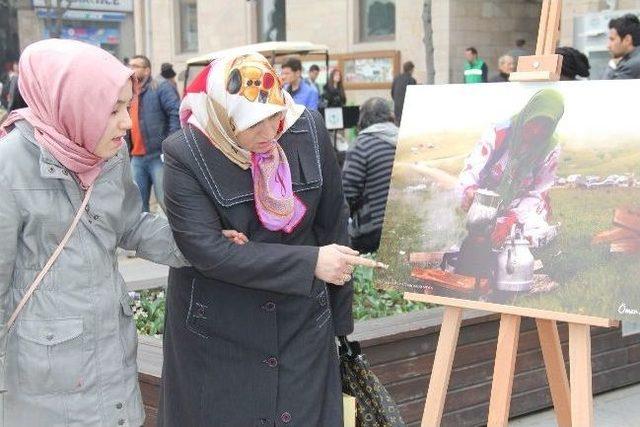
<point>140,274</point>
<point>619,408</point>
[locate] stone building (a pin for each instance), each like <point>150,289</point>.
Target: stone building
<point>105,23</point>
<point>176,30</point>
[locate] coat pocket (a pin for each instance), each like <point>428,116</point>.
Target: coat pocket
<point>323,308</point>
<point>198,316</point>
<point>128,332</point>
<point>50,355</point>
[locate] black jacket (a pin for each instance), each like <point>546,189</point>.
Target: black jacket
<point>398,90</point>
<point>250,332</point>
<point>333,96</point>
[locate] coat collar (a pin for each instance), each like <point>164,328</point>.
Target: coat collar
<point>231,185</point>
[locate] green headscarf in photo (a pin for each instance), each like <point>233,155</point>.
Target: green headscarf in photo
<point>524,159</point>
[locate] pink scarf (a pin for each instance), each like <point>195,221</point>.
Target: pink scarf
<point>221,103</point>
<point>71,88</point>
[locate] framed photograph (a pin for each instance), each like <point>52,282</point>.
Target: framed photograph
<point>522,194</point>
<point>370,70</point>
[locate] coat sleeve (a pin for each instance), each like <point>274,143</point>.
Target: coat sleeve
<point>147,234</point>
<point>475,163</point>
<point>10,224</point>
<point>331,226</point>
<point>197,228</point>
<point>170,105</point>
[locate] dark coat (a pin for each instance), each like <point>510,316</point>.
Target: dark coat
<point>158,115</point>
<point>250,332</point>
<point>334,96</point>
<point>398,91</point>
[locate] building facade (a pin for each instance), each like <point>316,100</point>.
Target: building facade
<point>176,30</point>
<point>165,29</point>
<point>104,23</point>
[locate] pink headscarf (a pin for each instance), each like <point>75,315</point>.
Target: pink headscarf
<point>71,88</point>
<point>231,95</point>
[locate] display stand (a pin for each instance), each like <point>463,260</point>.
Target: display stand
<point>573,402</point>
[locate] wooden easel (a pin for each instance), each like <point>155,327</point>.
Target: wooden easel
<point>573,403</point>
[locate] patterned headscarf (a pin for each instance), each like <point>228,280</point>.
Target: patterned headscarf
<point>229,96</point>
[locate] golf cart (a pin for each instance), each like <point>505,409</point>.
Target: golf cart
<point>271,50</point>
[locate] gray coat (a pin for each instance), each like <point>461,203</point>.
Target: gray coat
<point>70,359</point>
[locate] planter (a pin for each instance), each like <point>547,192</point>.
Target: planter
<point>401,348</point>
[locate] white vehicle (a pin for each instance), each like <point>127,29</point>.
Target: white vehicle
<point>271,50</point>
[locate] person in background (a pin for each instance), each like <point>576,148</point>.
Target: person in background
<point>367,173</point>
<point>624,37</point>
<point>333,93</point>
<point>574,63</point>
<point>505,68</point>
<point>167,73</point>
<point>518,51</point>
<point>301,91</point>
<point>314,71</point>
<point>4,93</point>
<point>14,99</point>
<point>399,88</point>
<point>154,116</point>
<point>475,69</point>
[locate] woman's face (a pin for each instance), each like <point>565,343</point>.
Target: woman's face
<point>537,130</point>
<point>117,125</point>
<point>261,137</point>
<point>337,77</point>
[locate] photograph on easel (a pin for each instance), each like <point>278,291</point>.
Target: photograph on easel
<point>524,194</point>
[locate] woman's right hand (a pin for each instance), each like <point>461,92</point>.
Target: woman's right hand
<point>336,263</point>
<point>235,237</point>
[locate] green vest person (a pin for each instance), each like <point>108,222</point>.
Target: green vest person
<point>475,69</point>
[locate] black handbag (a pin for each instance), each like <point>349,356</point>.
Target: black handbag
<point>374,405</point>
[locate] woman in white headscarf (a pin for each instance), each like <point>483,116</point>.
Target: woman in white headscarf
<point>250,332</point>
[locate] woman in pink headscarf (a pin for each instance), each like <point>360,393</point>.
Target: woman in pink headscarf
<point>69,356</point>
<point>250,330</point>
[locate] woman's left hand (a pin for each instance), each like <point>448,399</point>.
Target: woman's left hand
<point>235,236</point>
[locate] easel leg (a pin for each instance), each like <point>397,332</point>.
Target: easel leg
<point>556,372</point>
<point>442,364</point>
<point>580,365</point>
<point>504,370</point>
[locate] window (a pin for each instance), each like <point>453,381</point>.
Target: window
<point>377,20</point>
<point>271,20</point>
<point>188,20</point>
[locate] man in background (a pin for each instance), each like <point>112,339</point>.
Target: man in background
<point>475,69</point>
<point>506,66</point>
<point>624,37</point>
<point>399,88</point>
<point>314,70</point>
<point>518,51</point>
<point>301,91</point>
<point>154,116</point>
